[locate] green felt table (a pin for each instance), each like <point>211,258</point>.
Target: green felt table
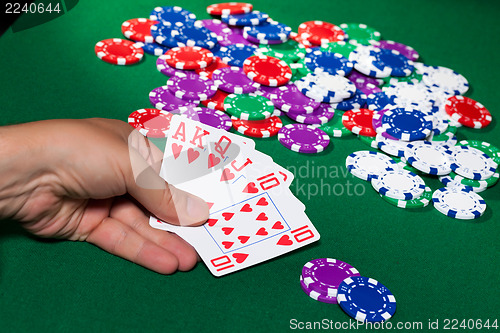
<point>437,267</point>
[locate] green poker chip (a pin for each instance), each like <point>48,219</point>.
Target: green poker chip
<point>360,33</point>
<point>303,70</point>
<point>289,51</point>
<point>485,147</point>
<point>248,106</point>
<point>447,137</point>
<point>488,182</point>
<point>344,48</point>
<point>419,202</point>
<point>334,127</point>
<point>403,164</point>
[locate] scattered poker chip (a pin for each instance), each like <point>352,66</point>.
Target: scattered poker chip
<point>267,91</point>
<point>289,99</point>
<point>365,62</point>
<point>316,295</point>
<point>326,88</point>
<point>459,203</point>
<point>449,181</point>
<point>193,34</point>
<point>360,33</point>
<point>303,138</point>
<point>399,184</point>
<point>234,80</point>
<point>366,164</point>
<point>119,51</point>
<point>226,39</point>
<point>361,80</point>
<point>189,57</point>
<point>289,51</point>
<point>335,128</point>
<point>214,118</point>
<point>301,39</point>
<point>391,146</point>
<point>252,18</point>
<point>162,35</point>
<point>488,182</point>
<point>164,68</point>
<point>228,8</point>
<point>154,48</point>
<point>342,47</point>
<point>259,128</point>
<point>138,29</point>
<point>485,147</point>
<point>404,165</point>
<point>380,101</point>
<point>370,89</point>
<point>323,114</point>
<point>407,124</point>
<point>216,102</point>
<point>235,54</point>
<point>359,121</point>
<point>267,70</point>
<point>468,112</point>
<point>207,71</point>
<point>269,31</point>
<point>152,123</point>
<point>420,202</point>
<point>472,163</point>
<point>429,158</point>
<point>398,64</point>
<point>161,98</point>
<point>365,299</point>
<point>172,14</point>
<point>191,87</point>
<point>408,94</point>
<point>357,101</point>
<point>405,50</point>
<point>248,106</point>
<point>445,79</point>
<point>320,32</point>
<point>324,61</point>
<point>447,138</point>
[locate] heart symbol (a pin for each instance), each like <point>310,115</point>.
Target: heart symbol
<point>227,216</point>
<point>262,202</point>
<point>213,160</point>
<point>262,232</point>
<point>227,245</point>
<point>250,188</point>
<point>243,239</point>
<point>176,150</point>
<point>284,240</point>
<point>192,155</point>
<point>278,225</point>
<point>240,257</point>
<point>262,217</point>
<point>210,205</point>
<point>226,175</point>
<point>211,222</point>
<point>246,208</point>
<point>227,230</point>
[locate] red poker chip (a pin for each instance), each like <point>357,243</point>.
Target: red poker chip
<point>320,32</point>
<point>302,40</point>
<point>207,71</point>
<point>216,102</point>
<point>267,70</point>
<point>119,51</point>
<point>229,8</point>
<point>152,123</point>
<point>467,112</point>
<point>258,128</point>
<point>189,57</point>
<point>359,121</point>
<point>139,29</point>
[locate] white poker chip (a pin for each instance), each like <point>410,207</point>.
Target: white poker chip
<point>411,95</point>
<point>326,88</point>
<point>472,163</point>
<point>399,184</point>
<point>450,182</point>
<point>444,79</point>
<point>392,147</point>
<point>458,202</point>
<point>367,164</point>
<point>429,158</point>
<point>364,62</point>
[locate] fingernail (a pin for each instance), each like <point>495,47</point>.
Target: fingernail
<point>197,209</point>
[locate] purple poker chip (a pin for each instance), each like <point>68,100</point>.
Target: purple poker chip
<point>214,118</point>
<point>361,80</point>
<point>323,114</point>
<point>164,68</point>
<point>303,138</point>
<point>377,124</point>
<point>232,38</point>
<point>289,99</point>
<point>405,50</point>
<point>324,275</point>
<point>162,99</point>
<point>234,80</point>
<point>370,89</point>
<point>266,91</point>
<point>216,26</point>
<point>317,296</point>
<point>191,87</point>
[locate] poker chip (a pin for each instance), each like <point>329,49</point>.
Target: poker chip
<point>320,32</point>
<point>326,88</point>
<point>399,184</point>
<point>235,54</point>
<point>397,64</point>
<point>488,182</point>
<point>335,128</point>
<point>258,128</point>
<point>233,80</point>
<point>414,78</point>
<point>301,39</point>
<point>267,70</point>
<point>161,98</point>
<point>289,51</point>
<point>303,138</point>
<point>390,145</point>
<point>357,101</point>
<point>152,123</point>
<point>447,138</point>
<point>359,121</point>
<point>362,81</point>
<point>248,106</point>
<point>267,91</point>
<point>364,61</point>
<point>189,57</point>
<point>289,99</point>
<point>407,124</point>
<point>154,48</point>
<point>138,29</point>
<point>163,67</point>
<point>210,117</point>
<point>207,71</point>
<point>365,299</point>
<point>366,164</point>
<point>445,79</point>
<point>228,8</point>
<point>216,26</point>
<point>360,33</point>
<point>118,51</point>
<point>316,295</point>
<point>380,101</point>
<point>377,122</point>
<point>468,112</point>
<point>402,164</point>
<point>485,147</point>
<point>472,163</point>
<point>342,47</point>
<point>324,275</point>
<point>172,14</point>
<point>193,34</point>
<point>332,63</point>
<point>319,116</point>
<point>449,181</point>
<point>262,41</point>
<point>410,95</point>
<point>429,158</point>
<point>252,18</point>
<point>420,202</point>
<point>370,89</point>
<point>439,124</point>
<point>459,203</point>
<point>405,50</point>
<point>216,102</point>
<point>269,31</point>
<point>162,35</point>
<point>191,87</point>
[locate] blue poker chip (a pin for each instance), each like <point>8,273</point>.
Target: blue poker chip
<point>407,124</point>
<point>248,19</point>
<point>380,101</point>
<point>193,34</point>
<point>399,64</point>
<point>332,63</point>
<point>357,101</point>
<point>365,299</point>
<point>326,88</point>
<point>154,48</point>
<point>273,31</point>
<point>172,14</point>
<point>235,54</point>
<point>161,32</point>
